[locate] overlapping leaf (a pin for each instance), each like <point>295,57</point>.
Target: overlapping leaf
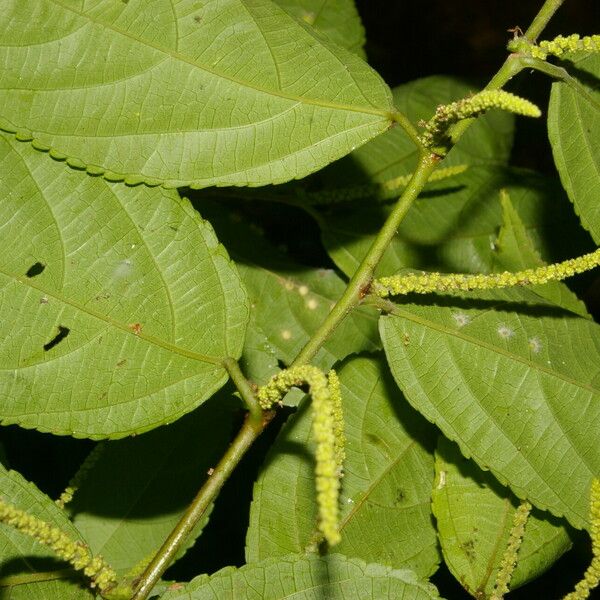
<point>139,488</point>
<point>393,154</point>
<point>289,301</point>
<point>227,92</point>
<point>514,380</point>
<point>306,578</point>
<point>338,20</point>
<point>474,515</point>
<point>118,303</point>
<point>574,130</point>
<point>28,570</point>
<point>386,489</point>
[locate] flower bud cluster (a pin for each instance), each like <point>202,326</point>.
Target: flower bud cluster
<point>559,46</point>
<point>328,431</point>
<point>509,559</point>
<point>436,129</point>
<point>78,554</point>
<point>591,577</point>
<point>424,283</point>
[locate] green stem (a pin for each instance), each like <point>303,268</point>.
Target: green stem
<point>249,432</point>
<point>541,19</point>
<point>361,280</point>
<point>559,73</point>
<point>243,386</point>
<point>409,129</point>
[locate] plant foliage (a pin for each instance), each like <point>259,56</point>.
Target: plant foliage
<point>157,297</point>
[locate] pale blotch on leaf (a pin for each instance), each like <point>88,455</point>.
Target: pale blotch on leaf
<point>461,319</point>
<point>312,304</point>
<point>505,332</point>
<point>288,285</point>
<point>535,344</point>
<point>123,269</point>
<point>303,290</point>
<point>309,17</point>
<point>286,334</point>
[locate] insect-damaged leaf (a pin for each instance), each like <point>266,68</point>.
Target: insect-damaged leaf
<point>126,326</point>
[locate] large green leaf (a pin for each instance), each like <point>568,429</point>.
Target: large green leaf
<point>28,570</point>
<point>574,130</point>
<point>177,92</point>
<point>474,516</point>
<point>139,487</point>
<point>386,489</point>
<point>338,20</point>
<point>307,578</point>
<point>289,301</point>
<point>514,380</point>
<point>118,303</point>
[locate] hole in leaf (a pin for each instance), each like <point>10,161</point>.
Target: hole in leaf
<point>63,332</point>
<point>35,269</point>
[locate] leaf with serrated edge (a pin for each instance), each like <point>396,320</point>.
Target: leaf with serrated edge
<point>175,92</point>
<point>289,301</point>
<point>118,305</point>
<point>338,20</point>
<point>307,578</point>
<point>474,516</point>
<point>386,489</point>
<point>139,487</point>
<point>574,132</point>
<point>514,381</point>
<point>28,570</point>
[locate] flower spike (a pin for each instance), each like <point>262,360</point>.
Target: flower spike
<point>328,430</point>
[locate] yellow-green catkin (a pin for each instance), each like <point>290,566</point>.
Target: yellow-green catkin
<point>591,577</point>
<point>559,46</point>
<point>76,553</point>
<point>509,559</point>
<point>436,129</point>
<point>328,434</point>
<point>380,191</point>
<point>82,473</point>
<point>424,283</point>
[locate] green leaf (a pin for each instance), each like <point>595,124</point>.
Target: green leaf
<point>574,131</point>
<point>338,20</point>
<point>307,578</point>
<point>386,489</point>
<point>514,381</point>
<point>514,251</point>
<point>175,92</point>
<point>290,301</point>
<point>28,570</point>
<point>139,487</point>
<point>454,225</point>
<point>474,516</point>
<point>118,303</point>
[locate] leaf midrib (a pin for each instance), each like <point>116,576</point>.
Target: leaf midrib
<point>386,114</point>
<point>114,323</point>
<point>429,324</point>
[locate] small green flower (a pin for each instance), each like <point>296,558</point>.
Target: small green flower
<point>425,283</point>
<point>509,559</point>
<point>591,577</point>
<point>78,554</point>
<point>436,134</point>
<point>328,431</point>
<point>559,46</point>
